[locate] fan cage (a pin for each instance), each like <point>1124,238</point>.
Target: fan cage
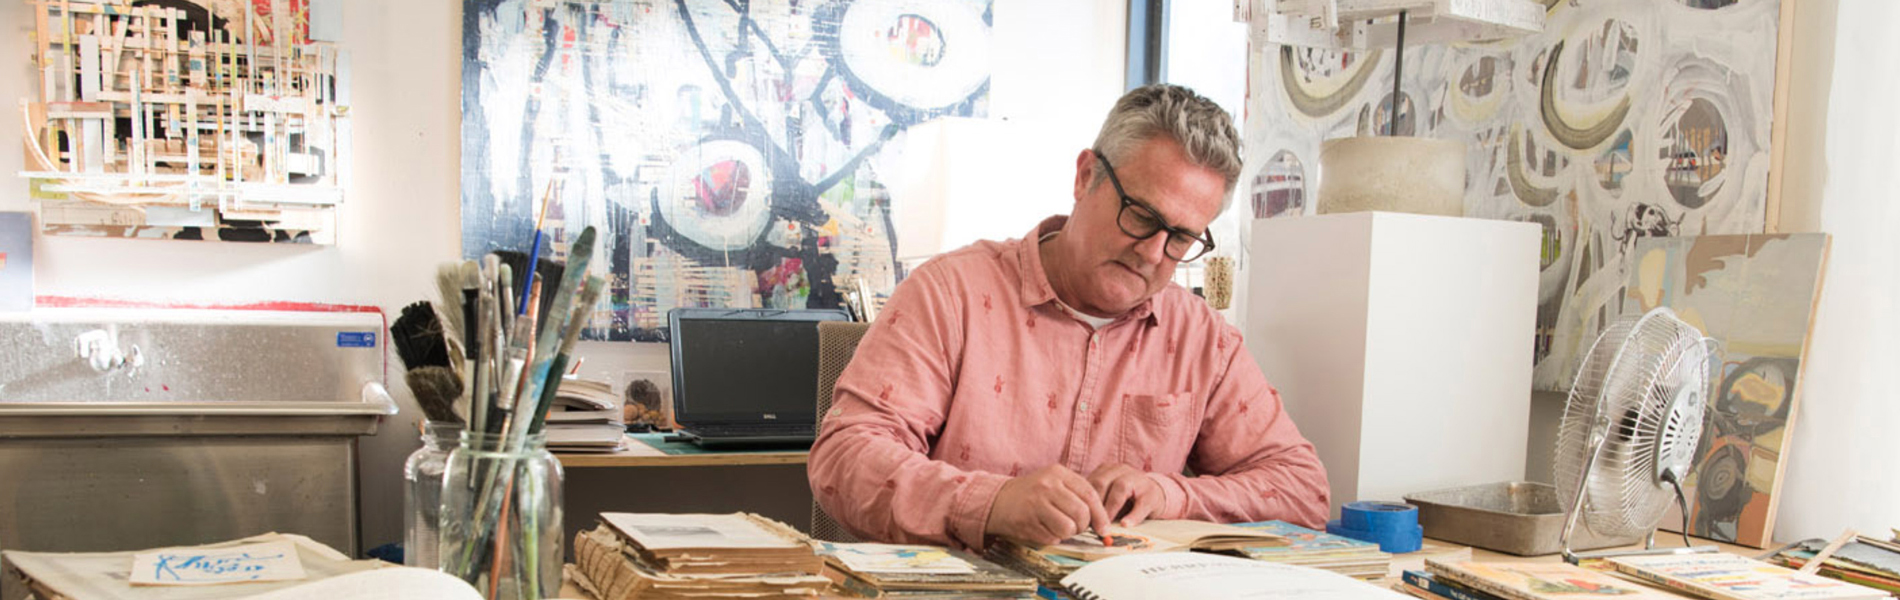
<point>1624,392</point>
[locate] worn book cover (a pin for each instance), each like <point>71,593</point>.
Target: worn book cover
<point>1301,541</point>
<point>893,570</point>
<point>1541,581</point>
<point>1729,577</point>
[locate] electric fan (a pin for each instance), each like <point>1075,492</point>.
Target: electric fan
<point>1630,429</point>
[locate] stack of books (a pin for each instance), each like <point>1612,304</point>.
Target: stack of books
<point>1046,567</point>
<point>676,556</point>
<point>1715,576</point>
<point>585,417</point>
<point>1521,581</point>
<point>1319,550</point>
<point>1722,576</point>
<point>1866,561</point>
<point>920,573</point>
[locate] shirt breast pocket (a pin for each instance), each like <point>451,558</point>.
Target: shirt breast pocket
<point>1158,430</point>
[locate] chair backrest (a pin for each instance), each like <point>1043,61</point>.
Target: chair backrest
<point>837,341</point>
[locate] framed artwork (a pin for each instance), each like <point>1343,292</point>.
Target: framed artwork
<point>733,153</point>
<point>188,119</point>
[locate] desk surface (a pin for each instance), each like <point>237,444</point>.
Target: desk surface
<point>1663,540</point>
<point>569,589</point>
<point>639,454</point>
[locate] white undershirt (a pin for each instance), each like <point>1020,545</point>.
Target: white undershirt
<point>1093,321</point>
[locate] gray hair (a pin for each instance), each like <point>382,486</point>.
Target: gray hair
<point>1204,131</point>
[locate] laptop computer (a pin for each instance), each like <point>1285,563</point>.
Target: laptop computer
<point>746,378</point>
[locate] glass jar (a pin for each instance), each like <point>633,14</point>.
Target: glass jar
<point>500,527</point>
<point>422,492</point>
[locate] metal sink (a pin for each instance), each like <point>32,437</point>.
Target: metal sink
<point>123,429</point>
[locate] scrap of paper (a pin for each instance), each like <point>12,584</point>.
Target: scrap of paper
<point>269,561</point>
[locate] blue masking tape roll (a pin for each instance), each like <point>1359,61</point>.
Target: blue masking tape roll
<point>1391,525</point>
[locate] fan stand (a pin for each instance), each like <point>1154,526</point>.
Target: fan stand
<point>1673,475</point>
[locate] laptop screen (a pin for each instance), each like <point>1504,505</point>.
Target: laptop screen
<point>746,365</point>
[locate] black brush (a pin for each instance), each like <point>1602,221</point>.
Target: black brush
<point>436,390</point>
<point>418,337</point>
<point>544,270</point>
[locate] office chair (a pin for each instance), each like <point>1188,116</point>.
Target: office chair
<point>837,341</point>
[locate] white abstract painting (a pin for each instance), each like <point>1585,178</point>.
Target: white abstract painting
<point>1623,119</point>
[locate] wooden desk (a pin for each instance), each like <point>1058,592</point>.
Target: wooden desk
<point>639,454</point>
<point>1402,562</point>
<point>640,479</point>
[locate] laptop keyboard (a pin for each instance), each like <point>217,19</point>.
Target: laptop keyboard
<point>752,430</point>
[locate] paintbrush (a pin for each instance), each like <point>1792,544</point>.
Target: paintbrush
<point>448,284</point>
<point>576,321</point>
<point>507,291</point>
<point>580,255</point>
<point>545,270</point>
<point>471,275</point>
<point>534,252</point>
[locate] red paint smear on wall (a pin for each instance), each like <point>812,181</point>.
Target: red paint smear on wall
<point>76,302</point>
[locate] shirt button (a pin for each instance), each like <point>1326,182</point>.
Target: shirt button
<point>1084,406</point>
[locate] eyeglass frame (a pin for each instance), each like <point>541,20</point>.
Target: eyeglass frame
<point>1206,239</point>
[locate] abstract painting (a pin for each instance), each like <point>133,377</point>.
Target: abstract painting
<point>1622,119</point>
<point>188,119</point>
<point>1755,295</point>
<point>734,153</point>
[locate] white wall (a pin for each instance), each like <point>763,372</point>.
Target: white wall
<point>1842,471</point>
<point>1059,65</point>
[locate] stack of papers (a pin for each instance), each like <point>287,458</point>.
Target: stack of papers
<point>662,556</point>
<point>266,567</point>
<point>586,417</point>
<point>1319,550</point>
<point>920,572</point>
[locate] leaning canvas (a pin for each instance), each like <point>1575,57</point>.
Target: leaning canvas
<point>1755,295</point>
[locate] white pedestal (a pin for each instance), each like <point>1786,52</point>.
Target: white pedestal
<point>1401,344</point>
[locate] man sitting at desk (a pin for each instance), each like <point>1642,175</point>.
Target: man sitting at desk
<point>1041,387</point>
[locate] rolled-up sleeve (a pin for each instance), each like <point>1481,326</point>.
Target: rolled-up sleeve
<point>1251,461</point>
<point>871,468</point>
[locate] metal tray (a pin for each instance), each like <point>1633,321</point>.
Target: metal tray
<point>1514,517</point>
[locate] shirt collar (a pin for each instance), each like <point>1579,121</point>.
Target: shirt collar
<point>1034,282</point>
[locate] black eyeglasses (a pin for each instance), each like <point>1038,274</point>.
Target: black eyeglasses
<point>1141,222</point>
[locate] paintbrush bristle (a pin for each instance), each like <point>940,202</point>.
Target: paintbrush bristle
<point>448,284</point>
<point>436,390</point>
<point>418,337</point>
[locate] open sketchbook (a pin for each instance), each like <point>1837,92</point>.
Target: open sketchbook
<point>1198,576</point>
<point>327,574</point>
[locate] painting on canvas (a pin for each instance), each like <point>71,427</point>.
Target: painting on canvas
<point>1755,295</point>
<point>735,154</point>
<point>1622,119</point>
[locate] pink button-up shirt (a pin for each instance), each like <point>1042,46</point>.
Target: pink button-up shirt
<point>974,374</point>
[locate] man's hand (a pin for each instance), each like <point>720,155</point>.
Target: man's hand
<point>1046,506</point>
<point>1128,495</point>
